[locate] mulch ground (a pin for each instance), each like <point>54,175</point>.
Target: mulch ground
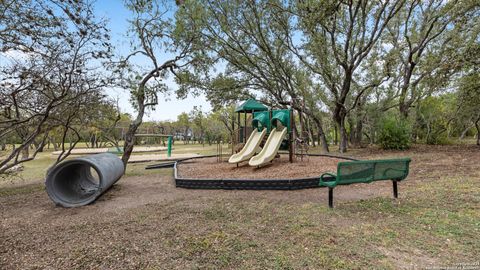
<point>280,168</point>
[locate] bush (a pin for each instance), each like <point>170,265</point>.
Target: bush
<point>437,138</point>
<point>394,134</point>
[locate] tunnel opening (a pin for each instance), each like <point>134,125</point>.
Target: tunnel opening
<point>75,183</point>
<point>80,181</point>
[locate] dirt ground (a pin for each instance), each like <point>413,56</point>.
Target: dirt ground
<point>280,168</point>
<point>145,222</point>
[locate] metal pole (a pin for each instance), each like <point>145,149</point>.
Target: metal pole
<point>169,147</point>
<point>395,189</point>
<point>239,130</point>
<point>330,197</point>
<point>233,132</point>
<point>290,148</point>
<point>245,128</point>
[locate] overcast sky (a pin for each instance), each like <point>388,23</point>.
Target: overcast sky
<point>118,17</point>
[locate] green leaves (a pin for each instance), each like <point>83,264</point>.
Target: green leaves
<point>394,134</point>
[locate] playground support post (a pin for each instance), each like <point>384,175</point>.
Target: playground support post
<point>220,151</point>
<point>169,147</point>
<point>290,144</point>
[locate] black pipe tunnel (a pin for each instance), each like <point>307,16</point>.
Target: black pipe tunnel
<point>80,181</point>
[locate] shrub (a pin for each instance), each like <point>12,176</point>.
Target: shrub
<point>394,134</point>
<point>437,138</point>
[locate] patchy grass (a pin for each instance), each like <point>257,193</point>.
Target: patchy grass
<point>21,190</point>
<point>145,222</point>
<point>34,171</point>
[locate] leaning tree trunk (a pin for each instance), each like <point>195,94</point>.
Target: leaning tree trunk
<point>132,129</point>
<point>464,132</point>
<point>25,152</point>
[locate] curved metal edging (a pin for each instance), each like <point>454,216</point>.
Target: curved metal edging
<point>248,184</point>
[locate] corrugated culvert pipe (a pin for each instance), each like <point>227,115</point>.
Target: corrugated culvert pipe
<point>80,181</point>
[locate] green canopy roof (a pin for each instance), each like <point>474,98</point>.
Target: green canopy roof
<point>251,105</point>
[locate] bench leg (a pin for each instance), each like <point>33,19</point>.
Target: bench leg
<point>395,189</point>
<point>330,197</point>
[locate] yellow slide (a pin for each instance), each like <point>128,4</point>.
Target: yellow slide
<point>251,147</point>
<point>270,149</point>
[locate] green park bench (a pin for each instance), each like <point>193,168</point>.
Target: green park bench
<point>365,171</point>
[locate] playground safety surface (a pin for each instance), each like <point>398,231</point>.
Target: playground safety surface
<point>280,168</point>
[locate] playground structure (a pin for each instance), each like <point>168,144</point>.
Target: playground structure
<point>276,124</point>
<point>248,107</point>
<point>251,147</point>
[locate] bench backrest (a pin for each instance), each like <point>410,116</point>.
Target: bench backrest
<point>372,170</point>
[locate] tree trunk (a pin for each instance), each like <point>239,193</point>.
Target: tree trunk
<point>25,152</point>
<point>38,146</point>
<point>352,135</point>
<point>404,105</point>
<point>340,112</point>
<point>343,137</point>
<point>464,132</point>
<point>358,133</point>
<point>310,132</point>
<point>321,135</point>
<point>340,124</point>
<point>359,118</point>
<point>335,134</point>
<point>477,126</point>
<point>132,128</point>
<point>41,147</point>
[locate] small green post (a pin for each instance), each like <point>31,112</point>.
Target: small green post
<point>169,147</point>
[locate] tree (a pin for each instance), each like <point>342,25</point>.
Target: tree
<point>469,100</point>
<point>340,35</point>
<point>249,39</point>
<point>426,40</point>
<point>49,73</point>
<point>198,120</point>
<point>155,37</point>
<point>183,121</point>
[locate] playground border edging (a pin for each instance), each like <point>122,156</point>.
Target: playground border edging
<point>248,184</point>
